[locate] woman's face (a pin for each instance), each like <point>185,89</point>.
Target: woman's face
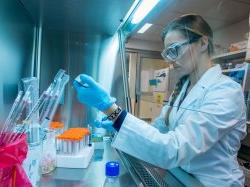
<point>185,61</point>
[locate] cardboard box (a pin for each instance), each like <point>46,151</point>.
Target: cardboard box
<point>238,46</point>
<point>159,97</point>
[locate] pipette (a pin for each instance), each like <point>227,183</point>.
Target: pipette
<point>58,95</point>
<point>8,120</point>
<point>34,110</point>
<point>25,100</point>
<point>48,100</point>
<point>79,82</point>
<point>59,75</point>
<point>50,111</point>
<point>13,108</point>
<point>51,99</point>
<point>17,114</point>
<point>37,106</point>
<point>45,107</point>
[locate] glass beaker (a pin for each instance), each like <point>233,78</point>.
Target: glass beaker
<point>31,163</point>
<point>48,160</point>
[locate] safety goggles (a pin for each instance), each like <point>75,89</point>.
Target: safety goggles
<point>174,52</point>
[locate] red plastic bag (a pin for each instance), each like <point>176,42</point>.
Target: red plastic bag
<point>11,157</point>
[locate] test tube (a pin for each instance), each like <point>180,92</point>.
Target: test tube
<point>57,144</point>
<point>89,135</point>
<point>81,144</point>
<point>74,146</point>
<point>87,140</point>
<point>78,146</point>
<point>70,146</point>
<point>61,146</point>
<point>84,141</point>
<point>65,149</point>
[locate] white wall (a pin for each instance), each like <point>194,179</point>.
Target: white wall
<point>225,36</point>
<point>144,45</point>
<point>231,34</point>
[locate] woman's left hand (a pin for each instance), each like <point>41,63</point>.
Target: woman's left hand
<point>104,123</point>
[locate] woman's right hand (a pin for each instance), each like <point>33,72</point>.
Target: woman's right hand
<point>91,93</point>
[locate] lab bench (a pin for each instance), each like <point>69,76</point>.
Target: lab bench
<point>93,176</point>
<point>132,173</point>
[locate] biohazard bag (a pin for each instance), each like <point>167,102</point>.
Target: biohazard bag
<point>11,157</point>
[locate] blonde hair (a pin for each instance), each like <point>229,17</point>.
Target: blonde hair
<point>174,96</point>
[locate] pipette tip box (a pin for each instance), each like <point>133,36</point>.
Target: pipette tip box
<point>79,160</point>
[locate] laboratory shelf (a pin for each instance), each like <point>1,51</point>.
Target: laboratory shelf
<point>233,70</point>
<point>229,56</point>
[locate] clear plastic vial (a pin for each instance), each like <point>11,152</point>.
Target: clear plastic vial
<point>112,174</point>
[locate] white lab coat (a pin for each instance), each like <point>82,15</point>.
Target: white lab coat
<point>203,137</point>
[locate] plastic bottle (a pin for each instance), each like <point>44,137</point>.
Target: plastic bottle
<point>112,174</point>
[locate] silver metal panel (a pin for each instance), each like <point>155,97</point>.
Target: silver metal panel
<point>16,36</point>
<point>78,36</point>
<point>76,54</point>
<point>86,16</point>
<point>95,55</point>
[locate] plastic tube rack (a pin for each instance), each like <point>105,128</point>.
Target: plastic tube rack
<point>73,140</point>
<point>74,150</point>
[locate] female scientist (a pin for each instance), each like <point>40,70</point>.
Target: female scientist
<point>200,128</point>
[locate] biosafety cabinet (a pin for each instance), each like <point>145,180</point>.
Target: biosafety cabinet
<point>98,38</point>
<point>37,38</point>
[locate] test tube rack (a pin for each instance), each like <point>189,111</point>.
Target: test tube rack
<point>74,149</point>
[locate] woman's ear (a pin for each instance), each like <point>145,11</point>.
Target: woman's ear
<point>204,43</point>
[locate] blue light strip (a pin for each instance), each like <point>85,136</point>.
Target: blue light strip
<point>144,8</point>
<point>144,28</point>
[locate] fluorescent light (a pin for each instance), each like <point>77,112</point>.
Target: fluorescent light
<point>144,28</point>
<point>144,8</point>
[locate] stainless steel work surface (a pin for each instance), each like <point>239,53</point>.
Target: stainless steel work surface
<point>93,176</point>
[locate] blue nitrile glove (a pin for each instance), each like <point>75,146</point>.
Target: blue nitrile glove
<point>91,93</point>
<point>104,123</point>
